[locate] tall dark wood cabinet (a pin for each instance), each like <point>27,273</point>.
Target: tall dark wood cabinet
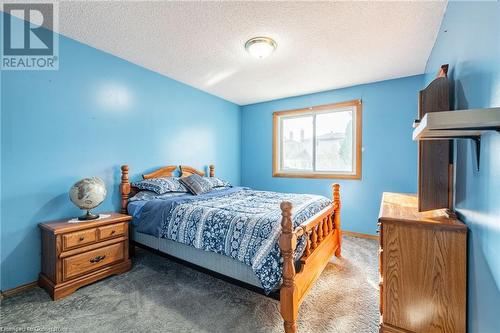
<point>435,168</point>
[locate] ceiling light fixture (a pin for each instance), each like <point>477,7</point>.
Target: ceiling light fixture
<point>260,47</point>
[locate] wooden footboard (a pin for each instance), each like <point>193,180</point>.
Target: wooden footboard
<point>323,236</point>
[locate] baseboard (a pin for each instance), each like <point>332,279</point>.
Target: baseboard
<point>21,288</point>
<point>359,235</point>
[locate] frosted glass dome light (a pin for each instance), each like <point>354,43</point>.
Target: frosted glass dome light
<point>260,47</point>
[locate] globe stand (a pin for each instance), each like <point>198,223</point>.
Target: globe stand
<point>88,216</point>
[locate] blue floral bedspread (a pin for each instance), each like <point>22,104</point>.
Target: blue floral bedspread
<point>241,223</point>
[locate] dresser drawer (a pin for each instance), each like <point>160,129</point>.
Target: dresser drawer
<point>86,262</point>
<point>79,238</point>
<point>111,231</point>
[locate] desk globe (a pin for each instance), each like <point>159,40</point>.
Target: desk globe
<point>87,194</point>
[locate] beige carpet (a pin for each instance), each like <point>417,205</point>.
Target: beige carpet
<point>159,295</point>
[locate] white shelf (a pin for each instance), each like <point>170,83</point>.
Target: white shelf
<point>457,124</point>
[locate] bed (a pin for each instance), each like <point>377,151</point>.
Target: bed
<point>250,236</point>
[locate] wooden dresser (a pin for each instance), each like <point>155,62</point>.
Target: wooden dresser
<point>76,254</point>
<point>422,266</point>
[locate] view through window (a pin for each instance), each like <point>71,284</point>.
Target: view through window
<point>318,141</point>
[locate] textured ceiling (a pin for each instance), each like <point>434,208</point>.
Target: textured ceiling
<point>321,45</point>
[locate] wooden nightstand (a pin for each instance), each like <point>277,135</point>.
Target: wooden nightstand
<point>77,254</point>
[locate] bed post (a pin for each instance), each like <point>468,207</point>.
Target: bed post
<point>212,170</point>
<point>124,188</point>
<point>336,218</point>
<point>289,298</point>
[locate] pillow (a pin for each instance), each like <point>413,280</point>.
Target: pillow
<point>217,182</point>
<point>146,195</point>
<point>161,185</point>
<point>196,184</point>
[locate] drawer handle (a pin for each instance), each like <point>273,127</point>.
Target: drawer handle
<point>97,259</point>
<point>113,232</point>
<point>81,238</point>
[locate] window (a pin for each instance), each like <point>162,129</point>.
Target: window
<point>318,142</point>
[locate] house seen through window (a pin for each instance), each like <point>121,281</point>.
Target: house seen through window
<point>322,141</point>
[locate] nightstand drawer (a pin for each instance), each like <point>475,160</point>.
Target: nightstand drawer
<point>92,260</point>
<point>79,238</point>
<point>111,231</point>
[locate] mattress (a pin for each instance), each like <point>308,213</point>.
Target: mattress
<point>209,260</point>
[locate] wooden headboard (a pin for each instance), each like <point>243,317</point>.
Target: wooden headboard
<point>127,190</point>
<point>188,171</point>
<point>167,171</point>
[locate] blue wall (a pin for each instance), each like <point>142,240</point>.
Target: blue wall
<point>389,161</point>
<point>469,40</point>
<point>86,119</point>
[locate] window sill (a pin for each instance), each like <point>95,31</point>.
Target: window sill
<point>316,175</point>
